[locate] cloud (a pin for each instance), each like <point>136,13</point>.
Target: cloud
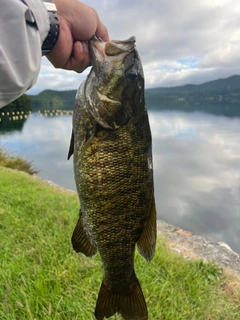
<point>179,41</point>
<point>56,79</point>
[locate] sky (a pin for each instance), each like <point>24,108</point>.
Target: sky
<point>179,41</point>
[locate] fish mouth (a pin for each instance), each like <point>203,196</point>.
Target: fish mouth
<point>100,50</point>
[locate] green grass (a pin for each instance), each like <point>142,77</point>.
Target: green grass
<point>9,159</point>
<point>41,278</point>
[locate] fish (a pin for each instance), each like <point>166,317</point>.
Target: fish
<point>111,145</point>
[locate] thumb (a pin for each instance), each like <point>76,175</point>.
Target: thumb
<point>80,58</point>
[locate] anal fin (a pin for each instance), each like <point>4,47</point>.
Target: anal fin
<point>130,306</point>
<point>147,241</point>
<point>80,240</point>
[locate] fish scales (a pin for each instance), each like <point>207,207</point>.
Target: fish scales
<point>114,175</point>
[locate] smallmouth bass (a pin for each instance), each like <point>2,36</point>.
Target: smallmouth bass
<point>111,145</point>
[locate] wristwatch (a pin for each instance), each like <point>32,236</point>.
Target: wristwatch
<point>53,32</point>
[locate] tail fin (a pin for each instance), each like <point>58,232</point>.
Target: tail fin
<point>130,306</point>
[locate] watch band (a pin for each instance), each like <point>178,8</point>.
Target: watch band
<point>53,32</point>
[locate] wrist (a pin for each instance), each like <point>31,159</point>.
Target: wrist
<point>54,29</point>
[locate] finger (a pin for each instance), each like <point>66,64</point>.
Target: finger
<point>102,32</point>
<point>80,58</point>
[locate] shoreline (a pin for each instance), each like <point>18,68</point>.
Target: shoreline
<point>197,247</point>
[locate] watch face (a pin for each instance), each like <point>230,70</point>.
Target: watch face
<point>50,6</point>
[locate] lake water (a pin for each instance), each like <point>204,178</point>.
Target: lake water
<point>196,166</point>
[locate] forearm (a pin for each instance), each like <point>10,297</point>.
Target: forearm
<point>23,28</point>
<point>24,25</point>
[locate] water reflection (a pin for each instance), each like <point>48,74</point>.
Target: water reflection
<point>197,173</point>
<point>45,140</point>
<point>196,163</point>
<point>11,120</point>
<point>223,108</point>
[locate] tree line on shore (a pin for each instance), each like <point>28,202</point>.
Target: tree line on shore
<point>221,93</point>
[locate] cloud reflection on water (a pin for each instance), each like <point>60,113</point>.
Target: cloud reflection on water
<point>197,173</point>
<point>45,140</point>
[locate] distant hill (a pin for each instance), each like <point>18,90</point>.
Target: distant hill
<point>217,92</point>
<point>221,85</point>
<point>52,100</point>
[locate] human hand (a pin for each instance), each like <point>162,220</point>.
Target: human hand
<point>78,23</point>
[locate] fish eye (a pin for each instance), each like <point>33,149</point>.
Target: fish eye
<point>132,75</point>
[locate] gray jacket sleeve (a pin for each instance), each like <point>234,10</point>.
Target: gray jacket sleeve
<point>23,27</point>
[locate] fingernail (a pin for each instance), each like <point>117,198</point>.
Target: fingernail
<point>85,47</point>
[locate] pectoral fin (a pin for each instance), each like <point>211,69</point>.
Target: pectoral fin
<point>147,242</point>
<point>80,240</point>
<point>71,147</point>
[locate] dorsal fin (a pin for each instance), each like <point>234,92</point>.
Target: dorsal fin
<point>71,147</point>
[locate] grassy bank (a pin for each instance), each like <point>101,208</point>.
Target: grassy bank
<point>9,159</point>
<point>42,278</point>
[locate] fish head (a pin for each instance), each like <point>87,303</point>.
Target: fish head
<point>115,84</point>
